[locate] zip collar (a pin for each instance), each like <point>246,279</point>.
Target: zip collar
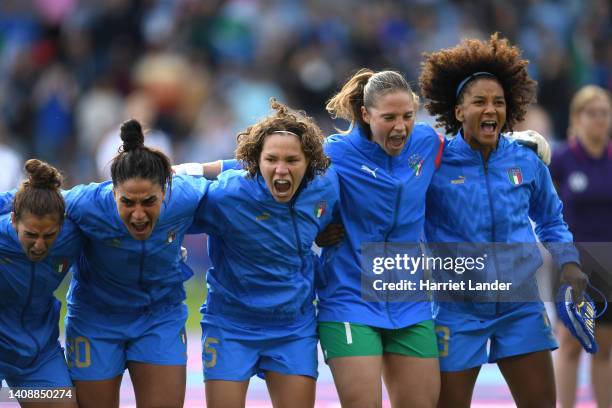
<point>372,150</point>
<point>462,150</point>
<point>263,194</point>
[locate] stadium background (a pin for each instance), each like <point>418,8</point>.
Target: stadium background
<point>197,71</point>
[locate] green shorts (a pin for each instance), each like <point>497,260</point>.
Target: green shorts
<point>350,340</point>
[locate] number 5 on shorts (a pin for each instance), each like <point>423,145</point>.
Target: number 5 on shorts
<point>443,333</point>
<point>211,351</point>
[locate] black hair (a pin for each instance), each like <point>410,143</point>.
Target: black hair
<point>135,160</point>
<point>446,74</point>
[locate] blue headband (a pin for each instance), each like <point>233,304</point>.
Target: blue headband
<point>475,75</point>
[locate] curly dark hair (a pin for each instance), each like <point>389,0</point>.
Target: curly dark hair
<point>443,71</point>
<point>251,140</point>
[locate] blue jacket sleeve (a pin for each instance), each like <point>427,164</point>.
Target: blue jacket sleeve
<point>546,210</point>
<point>71,197</point>
<point>335,148</point>
<point>77,199</point>
<point>6,201</point>
<point>193,188</point>
<point>332,175</point>
<point>231,164</point>
<point>209,217</point>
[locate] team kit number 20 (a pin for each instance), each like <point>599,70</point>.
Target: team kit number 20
<point>79,352</point>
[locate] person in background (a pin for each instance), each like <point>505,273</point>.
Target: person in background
<point>582,170</point>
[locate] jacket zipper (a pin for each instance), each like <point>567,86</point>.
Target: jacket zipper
<point>297,233</point>
<point>393,224</point>
<point>396,209</point>
<point>28,302</point>
<point>486,171</point>
<point>141,272</point>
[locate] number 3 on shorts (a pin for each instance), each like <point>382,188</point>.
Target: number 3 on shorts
<point>443,333</point>
<point>211,351</point>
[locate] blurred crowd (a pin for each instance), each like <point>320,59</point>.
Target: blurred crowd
<point>197,71</point>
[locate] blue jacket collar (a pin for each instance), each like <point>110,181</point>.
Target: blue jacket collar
<point>261,189</point>
<point>262,193</point>
<point>461,147</point>
<point>371,149</point>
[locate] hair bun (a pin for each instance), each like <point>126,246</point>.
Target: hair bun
<point>42,175</point>
<point>131,134</point>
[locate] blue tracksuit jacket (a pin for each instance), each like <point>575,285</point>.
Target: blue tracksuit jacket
<point>473,201</point>
<point>263,269</point>
<point>382,200</point>
<point>118,273</point>
<point>29,313</point>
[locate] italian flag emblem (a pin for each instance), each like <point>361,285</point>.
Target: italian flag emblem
<point>418,167</point>
<point>320,209</point>
<point>62,266</point>
<point>515,176</point>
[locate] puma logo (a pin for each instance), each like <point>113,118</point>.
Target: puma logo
<point>458,180</point>
<point>369,170</point>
